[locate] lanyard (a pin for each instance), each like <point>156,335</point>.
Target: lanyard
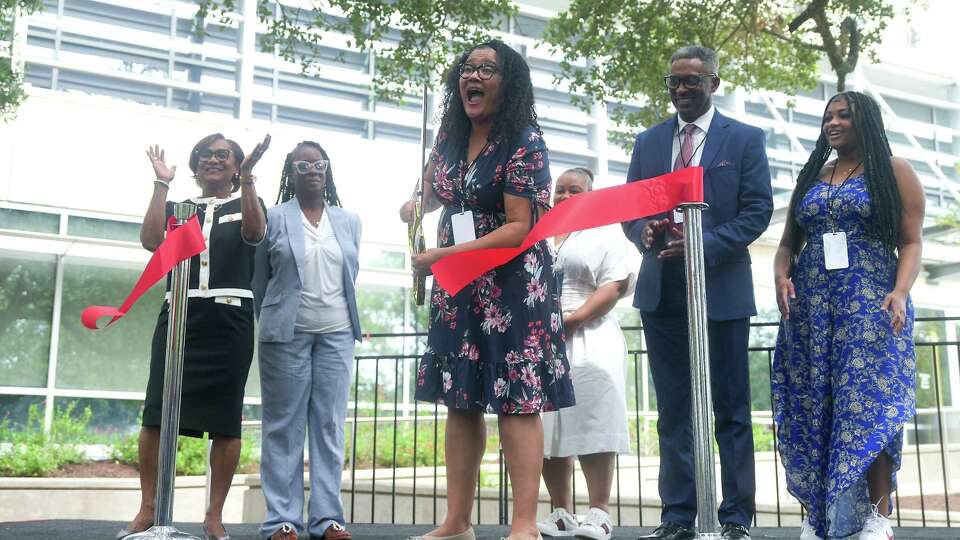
<point>680,146</point>
<point>832,194</point>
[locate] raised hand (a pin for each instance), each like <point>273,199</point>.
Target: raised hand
<point>253,157</point>
<point>158,159</point>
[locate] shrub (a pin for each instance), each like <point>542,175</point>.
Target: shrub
<point>33,452</point>
<point>191,453</point>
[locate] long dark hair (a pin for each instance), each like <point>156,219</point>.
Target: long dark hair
<point>877,167</point>
<point>516,111</point>
<point>205,143</point>
<point>287,189</point>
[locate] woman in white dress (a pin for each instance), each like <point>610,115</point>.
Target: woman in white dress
<point>596,273</point>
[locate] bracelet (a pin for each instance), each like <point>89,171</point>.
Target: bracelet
<point>249,181</point>
<point>163,183</point>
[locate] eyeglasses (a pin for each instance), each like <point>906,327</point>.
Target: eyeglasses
<point>304,167</point>
<point>690,82</point>
<point>484,71</point>
<point>221,154</point>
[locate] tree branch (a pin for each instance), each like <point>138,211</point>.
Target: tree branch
<point>807,14</point>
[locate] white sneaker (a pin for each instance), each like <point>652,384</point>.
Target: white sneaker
<point>596,526</point>
<point>807,532</point>
<point>558,523</point>
<point>876,527</point>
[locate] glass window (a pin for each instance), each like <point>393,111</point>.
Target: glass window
<point>318,120</point>
<point>15,409</point>
<point>26,316</point>
<point>39,76</point>
<point>913,111</point>
<point>103,228</point>
<point>262,111</point>
<point>200,101</point>
<point>527,26</point>
<point>114,14</point>
<point>108,416</point>
<point>757,109</point>
<point>89,83</point>
<point>25,220</point>
<point>382,258</point>
<point>114,359</point>
<point>381,311</point>
<point>112,55</point>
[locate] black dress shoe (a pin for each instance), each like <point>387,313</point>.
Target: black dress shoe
<point>735,532</point>
<point>671,531</point>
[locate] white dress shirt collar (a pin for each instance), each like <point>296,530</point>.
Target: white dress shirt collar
<point>703,122</point>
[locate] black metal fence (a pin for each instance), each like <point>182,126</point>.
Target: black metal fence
<point>395,444</point>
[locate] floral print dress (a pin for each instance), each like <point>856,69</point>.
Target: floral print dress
<point>843,382</point>
<point>498,344</point>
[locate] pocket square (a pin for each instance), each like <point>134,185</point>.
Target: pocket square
<point>722,163</point>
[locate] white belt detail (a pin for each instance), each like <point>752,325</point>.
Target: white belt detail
<point>211,293</point>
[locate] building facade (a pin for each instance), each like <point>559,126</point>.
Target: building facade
<point>107,78</point>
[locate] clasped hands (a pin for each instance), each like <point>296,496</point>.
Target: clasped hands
<point>656,228</point>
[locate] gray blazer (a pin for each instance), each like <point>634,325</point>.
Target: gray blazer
<point>278,277</point>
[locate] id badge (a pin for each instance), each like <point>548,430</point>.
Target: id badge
<point>835,250</point>
<point>677,215</point>
<point>463,230</point>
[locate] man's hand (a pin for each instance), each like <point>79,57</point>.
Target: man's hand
<point>674,248</point>
<point>652,231</point>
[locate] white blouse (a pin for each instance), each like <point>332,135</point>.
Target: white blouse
<point>323,305</point>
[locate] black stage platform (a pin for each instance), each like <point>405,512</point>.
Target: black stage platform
<point>105,530</point>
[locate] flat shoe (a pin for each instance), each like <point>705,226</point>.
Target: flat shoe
<point>336,532</point>
<point>465,535</point>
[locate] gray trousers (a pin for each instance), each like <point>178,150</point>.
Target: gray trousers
<point>304,387</point>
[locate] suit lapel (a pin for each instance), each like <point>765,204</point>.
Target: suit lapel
<point>294,225</point>
<point>716,136</point>
<point>664,146</point>
<point>338,224</point>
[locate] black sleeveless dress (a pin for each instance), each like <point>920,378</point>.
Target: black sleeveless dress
<point>220,328</point>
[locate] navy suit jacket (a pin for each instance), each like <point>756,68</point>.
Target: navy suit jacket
<point>736,185</point>
<point>277,275</point>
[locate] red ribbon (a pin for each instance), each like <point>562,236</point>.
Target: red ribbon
<point>180,244</point>
<point>616,204</point>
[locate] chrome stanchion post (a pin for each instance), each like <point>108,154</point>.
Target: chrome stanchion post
<point>170,417</point>
<point>702,404</point>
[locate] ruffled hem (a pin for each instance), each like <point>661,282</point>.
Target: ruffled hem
<point>501,388</point>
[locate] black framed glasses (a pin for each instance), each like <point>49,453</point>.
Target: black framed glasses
<point>221,154</point>
<point>690,82</point>
<point>304,167</point>
<point>484,71</point>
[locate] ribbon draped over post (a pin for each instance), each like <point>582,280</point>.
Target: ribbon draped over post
<point>606,206</point>
<point>181,243</point>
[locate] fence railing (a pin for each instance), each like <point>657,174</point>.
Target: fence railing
<point>395,472</point>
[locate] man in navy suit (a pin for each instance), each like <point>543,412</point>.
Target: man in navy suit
<point>737,189</point>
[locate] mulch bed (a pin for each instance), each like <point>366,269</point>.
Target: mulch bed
<point>96,469</point>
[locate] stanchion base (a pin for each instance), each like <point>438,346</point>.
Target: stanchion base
<point>706,536</point>
<point>161,533</point>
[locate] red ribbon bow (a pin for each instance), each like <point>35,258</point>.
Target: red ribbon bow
<point>181,243</point>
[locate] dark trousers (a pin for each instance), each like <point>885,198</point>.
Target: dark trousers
<point>667,344</point>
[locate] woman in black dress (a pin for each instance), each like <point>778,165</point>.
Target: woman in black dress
<point>219,337</point>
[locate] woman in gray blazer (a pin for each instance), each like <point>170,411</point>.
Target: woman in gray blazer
<point>305,299</point>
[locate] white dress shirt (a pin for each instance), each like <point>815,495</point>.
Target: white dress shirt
<point>703,125</point>
<point>323,305</point>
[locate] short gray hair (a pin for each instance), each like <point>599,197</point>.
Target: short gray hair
<point>706,55</point>
<point>584,173</point>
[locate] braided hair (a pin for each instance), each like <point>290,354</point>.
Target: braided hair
<point>516,111</point>
<point>204,144</point>
<point>878,171</point>
<point>287,189</point>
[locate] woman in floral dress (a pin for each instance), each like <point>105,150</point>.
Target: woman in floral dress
<point>844,367</point>
<point>496,346</point>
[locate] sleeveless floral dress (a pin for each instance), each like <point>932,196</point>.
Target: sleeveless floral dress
<point>843,382</point>
<point>498,344</point>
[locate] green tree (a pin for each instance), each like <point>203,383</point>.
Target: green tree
<point>618,51</point>
<point>11,76</point>
<point>414,39</point>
